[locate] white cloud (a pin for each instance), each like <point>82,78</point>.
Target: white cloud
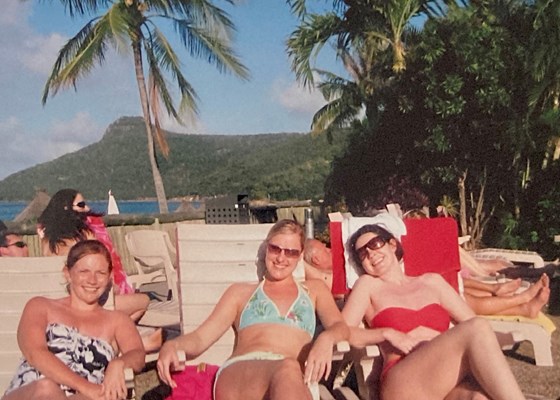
<point>81,130</point>
<point>14,12</point>
<point>296,98</point>
<point>21,149</point>
<point>39,53</point>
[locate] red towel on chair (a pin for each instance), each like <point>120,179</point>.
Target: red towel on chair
<point>430,245</point>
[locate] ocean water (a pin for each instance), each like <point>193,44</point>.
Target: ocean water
<point>9,210</point>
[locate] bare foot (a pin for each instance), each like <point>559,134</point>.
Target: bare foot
<point>533,290</point>
<point>545,280</point>
<point>507,288</point>
<point>534,306</point>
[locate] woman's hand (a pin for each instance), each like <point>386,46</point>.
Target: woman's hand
<point>93,391</point>
<point>403,342</point>
<point>114,386</point>
<point>319,360</point>
<point>423,334</point>
<point>168,362</point>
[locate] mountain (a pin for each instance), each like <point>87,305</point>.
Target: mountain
<point>279,166</point>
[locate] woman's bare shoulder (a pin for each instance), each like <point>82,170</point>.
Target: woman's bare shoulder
<point>432,279</point>
<point>240,289</point>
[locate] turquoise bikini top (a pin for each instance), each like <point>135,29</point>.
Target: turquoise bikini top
<point>260,309</point>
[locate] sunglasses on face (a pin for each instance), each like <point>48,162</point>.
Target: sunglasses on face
<point>19,244</point>
<point>80,204</point>
<point>276,250</point>
<point>374,244</point>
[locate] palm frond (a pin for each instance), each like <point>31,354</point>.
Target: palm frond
<point>83,7</point>
<point>198,13</point>
<point>160,54</point>
<point>78,56</point>
<point>305,43</point>
<point>202,43</point>
<point>158,133</point>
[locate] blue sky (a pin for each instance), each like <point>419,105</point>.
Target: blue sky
<point>32,32</point>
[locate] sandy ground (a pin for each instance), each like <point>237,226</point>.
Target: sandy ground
<point>538,383</point>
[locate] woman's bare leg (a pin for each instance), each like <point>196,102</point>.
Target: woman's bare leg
<point>134,304</point>
<point>262,379</point>
<point>527,303</point>
<point>469,348</point>
<point>153,341</point>
<point>42,389</point>
<point>468,389</point>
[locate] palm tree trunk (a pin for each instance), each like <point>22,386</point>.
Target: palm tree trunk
<point>158,182</point>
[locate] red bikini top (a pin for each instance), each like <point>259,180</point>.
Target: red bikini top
<point>403,319</point>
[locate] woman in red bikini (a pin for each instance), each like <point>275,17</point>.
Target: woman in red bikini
<point>409,319</point>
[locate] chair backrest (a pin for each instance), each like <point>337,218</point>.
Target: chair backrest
<point>430,245</point>
<point>22,278</point>
<point>154,248</point>
<point>211,258</point>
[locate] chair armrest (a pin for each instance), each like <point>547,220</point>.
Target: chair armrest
<point>182,356</point>
<point>340,349</point>
<point>129,383</point>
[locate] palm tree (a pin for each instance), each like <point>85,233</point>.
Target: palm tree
<point>204,31</point>
<point>360,31</point>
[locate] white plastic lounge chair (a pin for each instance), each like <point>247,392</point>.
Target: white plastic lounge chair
<point>22,278</point>
<point>517,328</point>
<point>153,256</point>
<point>153,249</point>
<point>212,257</point>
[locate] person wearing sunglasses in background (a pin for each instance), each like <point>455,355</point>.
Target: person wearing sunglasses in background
<point>66,220</point>
<point>12,245</point>
<point>274,355</point>
<point>409,318</point>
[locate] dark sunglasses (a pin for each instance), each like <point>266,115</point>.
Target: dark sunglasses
<point>19,244</point>
<point>374,244</point>
<point>276,250</point>
<point>80,204</point>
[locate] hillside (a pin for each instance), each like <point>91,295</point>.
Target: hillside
<point>280,166</point>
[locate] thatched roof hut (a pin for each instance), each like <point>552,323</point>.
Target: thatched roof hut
<point>35,208</point>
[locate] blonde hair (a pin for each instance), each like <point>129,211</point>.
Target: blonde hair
<point>287,226</point>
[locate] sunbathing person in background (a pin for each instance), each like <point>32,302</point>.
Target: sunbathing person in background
<point>274,356</point>
<point>409,318</point>
<point>67,220</point>
<point>71,345</point>
<point>12,245</point>
<point>496,298</point>
<point>318,262</point>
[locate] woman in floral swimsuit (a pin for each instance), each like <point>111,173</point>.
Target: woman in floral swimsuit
<point>70,346</point>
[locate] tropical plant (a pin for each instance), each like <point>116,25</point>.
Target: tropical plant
<point>204,31</point>
<point>362,33</point>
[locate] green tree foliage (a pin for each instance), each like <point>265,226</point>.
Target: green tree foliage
<point>461,106</point>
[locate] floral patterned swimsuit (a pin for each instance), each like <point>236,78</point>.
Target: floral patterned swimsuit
<point>260,309</point>
<point>84,355</point>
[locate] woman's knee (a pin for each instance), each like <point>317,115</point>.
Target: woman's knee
<point>46,389</point>
<point>477,326</point>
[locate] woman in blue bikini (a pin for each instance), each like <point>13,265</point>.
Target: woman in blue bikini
<point>274,356</point>
<point>409,318</point>
<point>71,345</point>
